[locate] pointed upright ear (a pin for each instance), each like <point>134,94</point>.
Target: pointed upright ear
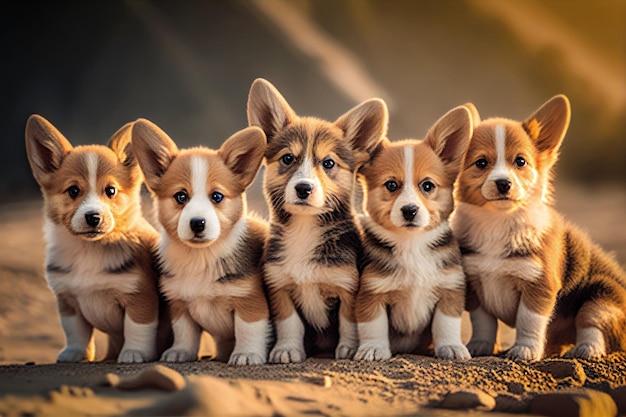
<point>475,115</point>
<point>365,126</point>
<point>548,124</point>
<point>268,109</point>
<point>120,143</point>
<point>46,147</point>
<point>153,149</point>
<point>449,138</point>
<point>243,152</point>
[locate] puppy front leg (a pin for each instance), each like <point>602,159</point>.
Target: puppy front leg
<point>252,330</point>
<point>141,320</point>
<point>484,332</point>
<point>289,329</point>
<point>531,323</point>
<point>79,341</point>
<point>446,325</point>
<point>186,335</point>
<point>373,333</point>
<point>348,335</point>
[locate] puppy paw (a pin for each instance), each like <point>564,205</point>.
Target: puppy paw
<point>179,355</point>
<point>344,351</point>
<point>287,354</point>
<point>480,348</point>
<point>586,351</point>
<point>246,359</point>
<point>131,356</point>
<point>70,354</point>
<point>372,353</point>
<point>452,352</point>
<point>526,353</point>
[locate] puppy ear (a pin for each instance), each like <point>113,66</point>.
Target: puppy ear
<point>475,115</point>
<point>153,149</point>
<point>268,109</point>
<point>365,126</point>
<point>243,152</point>
<point>120,143</point>
<point>449,138</point>
<point>548,124</point>
<point>46,147</point>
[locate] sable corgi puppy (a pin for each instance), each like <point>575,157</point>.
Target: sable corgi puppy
<point>310,264</point>
<point>210,249</point>
<point>412,272</point>
<point>527,266</point>
<point>99,252</point>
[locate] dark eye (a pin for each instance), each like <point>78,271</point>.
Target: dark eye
<point>481,163</point>
<point>328,163</point>
<point>181,197</point>
<point>287,159</point>
<point>73,192</point>
<point>110,191</point>
<point>427,186</point>
<point>520,162</point>
<point>217,197</point>
<point>391,185</point>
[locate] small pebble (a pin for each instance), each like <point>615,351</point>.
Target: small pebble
<point>468,400</point>
<point>574,403</point>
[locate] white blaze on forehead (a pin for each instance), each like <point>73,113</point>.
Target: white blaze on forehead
<point>500,170</point>
<point>199,171</point>
<point>408,168</point>
<point>305,170</point>
<point>92,170</point>
<point>408,195</point>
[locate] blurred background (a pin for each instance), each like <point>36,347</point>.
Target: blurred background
<point>90,67</point>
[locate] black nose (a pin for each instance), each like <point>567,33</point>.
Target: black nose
<point>304,190</point>
<point>197,224</point>
<point>93,218</point>
<point>409,212</point>
<point>503,186</point>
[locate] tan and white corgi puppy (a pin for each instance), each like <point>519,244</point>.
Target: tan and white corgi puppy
<point>210,249</point>
<point>310,264</point>
<point>411,272</point>
<point>100,260</point>
<point>528,266</point>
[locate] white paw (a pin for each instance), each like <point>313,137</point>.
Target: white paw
<point>71,354</point>
<point>287,354</point>
<point>452,352</point>
<point>179,355</point>
<point>372,353</point>
<point>526,353</point>
<point>480,348</point>
<point>246,359</point>
<point>586,351</point>
<point>345,351</point>
<point>131,356</point>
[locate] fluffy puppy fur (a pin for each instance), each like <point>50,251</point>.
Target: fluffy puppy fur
<point>99,252</point>
<point>412,274</point>
<point>526,265</point>
<point>210,249</point>
<point>311,257</point>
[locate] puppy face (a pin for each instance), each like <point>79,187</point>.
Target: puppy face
<point>91,190</point>
<point>409,183</point>
<point>508,163</point>
<point>199,191</point>
<point>311,162</point>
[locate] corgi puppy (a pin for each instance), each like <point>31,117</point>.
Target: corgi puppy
<point>310,266</point>
<point>99,252</point>
<point>210,250</point>
<point>412,276</point>
<point>525,264</point>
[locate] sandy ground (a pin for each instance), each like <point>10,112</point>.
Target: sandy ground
<point>30,338</point>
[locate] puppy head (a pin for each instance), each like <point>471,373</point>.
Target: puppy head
<point>508,163</point>
<point>310,163</point>
<point>92,190</point>
<point>409,183</point>
<point>199,191</point>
